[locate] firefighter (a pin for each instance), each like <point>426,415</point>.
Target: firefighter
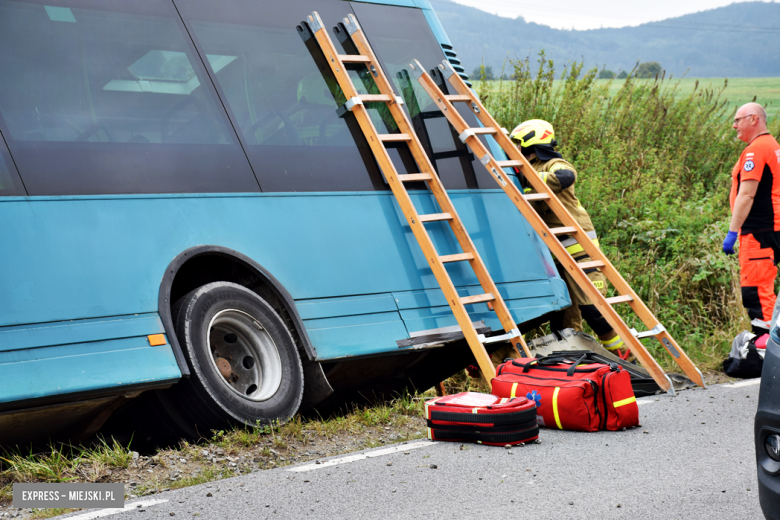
<point>536,141</point>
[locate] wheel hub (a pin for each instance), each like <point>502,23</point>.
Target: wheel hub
<point>245,355</point>
<point>224,368</point>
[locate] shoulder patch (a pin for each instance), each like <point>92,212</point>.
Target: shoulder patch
<point>749,165</point>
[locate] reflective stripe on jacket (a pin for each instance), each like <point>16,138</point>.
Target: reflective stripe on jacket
<point>573,247</point>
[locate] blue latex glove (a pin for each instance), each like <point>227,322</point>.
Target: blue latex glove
<point>728,242</point>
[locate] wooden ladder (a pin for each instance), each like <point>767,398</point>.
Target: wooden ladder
<point>570,226</point>
<point>356,104</point>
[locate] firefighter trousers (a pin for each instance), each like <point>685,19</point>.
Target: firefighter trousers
<point>581,306</point>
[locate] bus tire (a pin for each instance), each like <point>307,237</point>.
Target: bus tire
<point>245,368</point>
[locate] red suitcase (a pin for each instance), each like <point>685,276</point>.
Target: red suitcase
<point>481,418</point>
<point>571,394</point>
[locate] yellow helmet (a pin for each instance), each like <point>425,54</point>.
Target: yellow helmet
<point>532,132</point>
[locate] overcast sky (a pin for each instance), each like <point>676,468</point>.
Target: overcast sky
<point>592,14</point>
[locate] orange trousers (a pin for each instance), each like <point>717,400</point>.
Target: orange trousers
<point>759,254</point>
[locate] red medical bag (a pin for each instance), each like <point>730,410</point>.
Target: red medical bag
<point>571,393</point>
<point>481,418</point>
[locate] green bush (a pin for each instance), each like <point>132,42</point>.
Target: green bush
<point>606,74</point>
<point>654,173</point>
<point>648,69</point>
<point>483,73</point>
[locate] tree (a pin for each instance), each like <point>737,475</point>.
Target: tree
<point>483,72</point>
<point>623,75</point>
<point>648,69</point>
<point>606,74</point>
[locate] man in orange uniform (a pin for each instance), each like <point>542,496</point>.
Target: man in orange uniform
<point>755,214</point>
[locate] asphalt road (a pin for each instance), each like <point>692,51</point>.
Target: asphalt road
<point>692,458</point>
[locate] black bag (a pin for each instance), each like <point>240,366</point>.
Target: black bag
<point>744,360</point>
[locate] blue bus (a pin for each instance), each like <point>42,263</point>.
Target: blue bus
<point>191,228</point>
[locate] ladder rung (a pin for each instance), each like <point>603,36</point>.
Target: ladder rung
<point>562,230</point>
<point>456,258</point>
<point>411,177</point>
<point>509,164</point>
<point>374,98</point>
<point>469,132</point>
<point>456,97</point>
<point>394,137</point>
<point>590,265</point>
<point>488,130</point>
<point>479,298</point>
<point>619,299</point>
<point>536,196</point>
<point>514,333</point>
<point>435,216</point>
<point>354,58</point>
<point>655,331</point>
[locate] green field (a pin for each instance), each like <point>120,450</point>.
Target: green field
<point>738,91</point>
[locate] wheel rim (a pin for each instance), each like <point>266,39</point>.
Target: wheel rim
<point>244,354</point>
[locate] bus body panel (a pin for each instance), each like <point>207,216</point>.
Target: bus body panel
<point>80,277</point>
<point>378,333</point>
<point>82,356</point>
<point>118,364</point>
<point>88,257</point>
<point>79,331</point>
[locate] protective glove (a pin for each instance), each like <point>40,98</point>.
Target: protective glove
<point>728,242</point>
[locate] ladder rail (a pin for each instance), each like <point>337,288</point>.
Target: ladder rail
<point>414,219</point>
<point>521,202</point>
<point>609,270</point>
<point>621,286</point>
<point>436,187</point>
<point>612,274</point>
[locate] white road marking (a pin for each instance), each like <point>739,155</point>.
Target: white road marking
<point>108,512</point>
<point>748,382</point>
<point>640,402</point>
<point>363,456</point>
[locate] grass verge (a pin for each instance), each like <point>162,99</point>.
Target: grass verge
<point>227,454</point>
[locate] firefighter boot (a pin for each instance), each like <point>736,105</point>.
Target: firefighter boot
<point>616,346</point>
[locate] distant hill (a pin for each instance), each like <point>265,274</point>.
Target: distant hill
<point>739,40</point>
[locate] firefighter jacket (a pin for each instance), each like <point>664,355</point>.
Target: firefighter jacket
<point>561,176</point>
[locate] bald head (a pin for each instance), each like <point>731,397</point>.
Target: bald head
<point>755,108</point>
<point>750,121</point>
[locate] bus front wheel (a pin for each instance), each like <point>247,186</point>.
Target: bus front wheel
<point>245,368</point>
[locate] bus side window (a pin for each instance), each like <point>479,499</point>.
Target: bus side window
<point>111,97</point>
<point>282,105</point>
<point>400,35</point>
